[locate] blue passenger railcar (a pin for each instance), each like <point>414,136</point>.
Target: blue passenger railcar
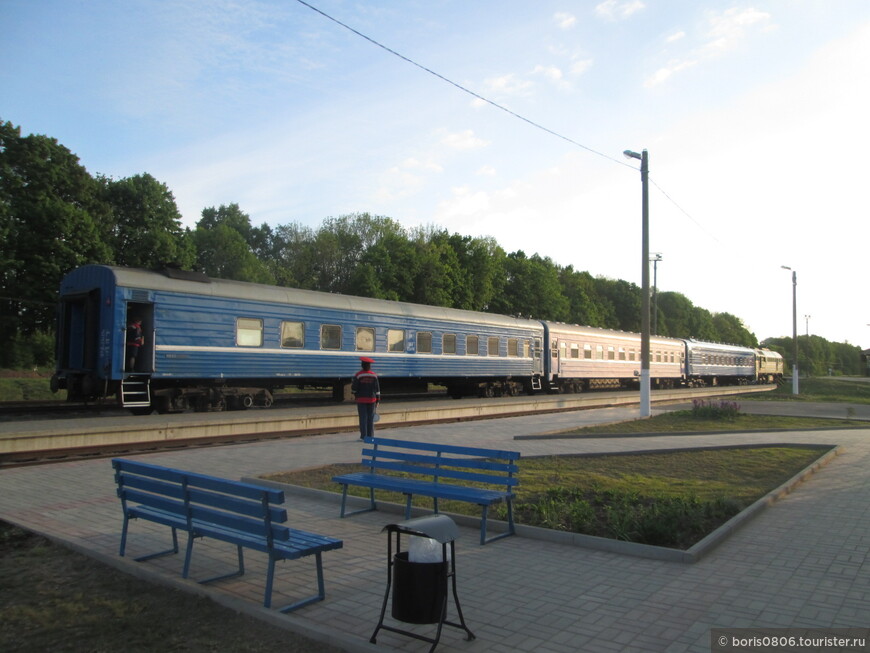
<point>211,343</point>
<point>711,364</point>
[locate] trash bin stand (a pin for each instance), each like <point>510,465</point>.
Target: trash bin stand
<point>449,568</point>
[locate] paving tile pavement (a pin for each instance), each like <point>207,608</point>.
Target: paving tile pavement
<point>802,562</point>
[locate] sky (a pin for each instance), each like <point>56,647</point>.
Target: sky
<point>501,118</point>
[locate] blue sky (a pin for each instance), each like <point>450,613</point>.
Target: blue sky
<point>754,115</point>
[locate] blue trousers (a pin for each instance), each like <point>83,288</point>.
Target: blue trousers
<point>366,420</point>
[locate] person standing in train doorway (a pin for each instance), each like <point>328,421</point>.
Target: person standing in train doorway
<point>135,340</point>
<point>367,391</point>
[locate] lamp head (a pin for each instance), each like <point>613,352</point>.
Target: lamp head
<point>631,155</point>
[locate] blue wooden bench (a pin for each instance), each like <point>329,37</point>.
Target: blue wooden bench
<point>389,461</point>
<point>247,515</point>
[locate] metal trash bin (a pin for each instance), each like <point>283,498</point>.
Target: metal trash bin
<point>419,589</point>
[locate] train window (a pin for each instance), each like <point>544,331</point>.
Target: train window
<point>527,346</point>
<point>564,347</point>
<point>395,340</point>
<point>365,339</point>
<point>587,352</point>
<point>424,342</point>
<point>472,345</point>
<point>632,354</point>
<point>448,343</point>
<point>599,352</point>
<point>611,354</point>
<point>330,336</point>
<point>492,346</point>
<point>575,350</point>
<point>513,347</point>
<point>658,356</point>
<point>292,334</point>
<point>249,332</point>
<point>622,353</point>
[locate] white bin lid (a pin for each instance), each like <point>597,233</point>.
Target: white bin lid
<point>437,527</point>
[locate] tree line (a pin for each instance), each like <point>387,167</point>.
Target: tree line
<point>55,216</point>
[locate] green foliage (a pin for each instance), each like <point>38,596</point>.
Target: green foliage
<point>146,227</point>
<point>722,410</point>
<point>223,239</point>
<point>819,357</point>
<point>671,521</point>
<point>51,220</point>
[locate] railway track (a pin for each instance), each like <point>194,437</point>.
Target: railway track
<point>37,442</point>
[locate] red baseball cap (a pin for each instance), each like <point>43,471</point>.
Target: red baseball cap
<point>366,359</point>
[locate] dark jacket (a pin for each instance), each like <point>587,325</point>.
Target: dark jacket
<point>365,387</point>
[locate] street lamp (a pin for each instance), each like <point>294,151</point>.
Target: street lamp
<point>807,318</point>
<point>794,370</point>
<point>645,410</point>
<point>655,258</point>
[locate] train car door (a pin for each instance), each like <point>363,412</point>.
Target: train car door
<point>77,342</point>
<point>145,358</point>
<point>538,354</point>
<point>555,358</point>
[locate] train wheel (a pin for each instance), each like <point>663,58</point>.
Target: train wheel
<point>163,405</point>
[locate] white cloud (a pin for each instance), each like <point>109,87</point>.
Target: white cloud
<point>464,140</point>
<point>486,171</point>
<point>508,84</point>
<point>580,67</point>
<point>726,31</point>
<point>730,28</point>
<point>618,9</point>
<point>565,20</point>
<point>550,72</point>
<point>664,73</point>
<point>413,163</point>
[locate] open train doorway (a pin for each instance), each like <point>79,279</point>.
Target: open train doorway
<point>140,334</point>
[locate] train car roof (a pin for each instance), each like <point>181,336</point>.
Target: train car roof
<point>194,283</point>
<point>719,346</point>
<point>576,329</point>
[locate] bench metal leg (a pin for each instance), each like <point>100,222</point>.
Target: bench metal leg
<point>510,531</point>
<point>149,556</point>
<point>321,592</point>
<point>239,572</point>
<point>371,507</point>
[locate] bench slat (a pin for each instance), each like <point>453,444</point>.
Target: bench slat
<point>441,472</point>
<point>469,463</point>
<point>425,488</point>
<point>448,448</point>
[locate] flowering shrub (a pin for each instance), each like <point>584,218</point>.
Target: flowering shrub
<point>723,410</point>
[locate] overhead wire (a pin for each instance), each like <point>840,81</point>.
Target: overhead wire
<point>495,104</point>
<point>461,87</point>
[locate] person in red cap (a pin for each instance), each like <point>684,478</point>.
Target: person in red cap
<point>367,391</point>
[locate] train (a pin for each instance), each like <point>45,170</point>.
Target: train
<point>215,344</point>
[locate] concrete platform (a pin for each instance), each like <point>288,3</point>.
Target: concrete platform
<point>127,429</point>
<point>802,562</point>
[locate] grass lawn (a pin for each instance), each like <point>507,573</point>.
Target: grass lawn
<point>818,388</point>
<point>54,599</point>
<point>666,499</point>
